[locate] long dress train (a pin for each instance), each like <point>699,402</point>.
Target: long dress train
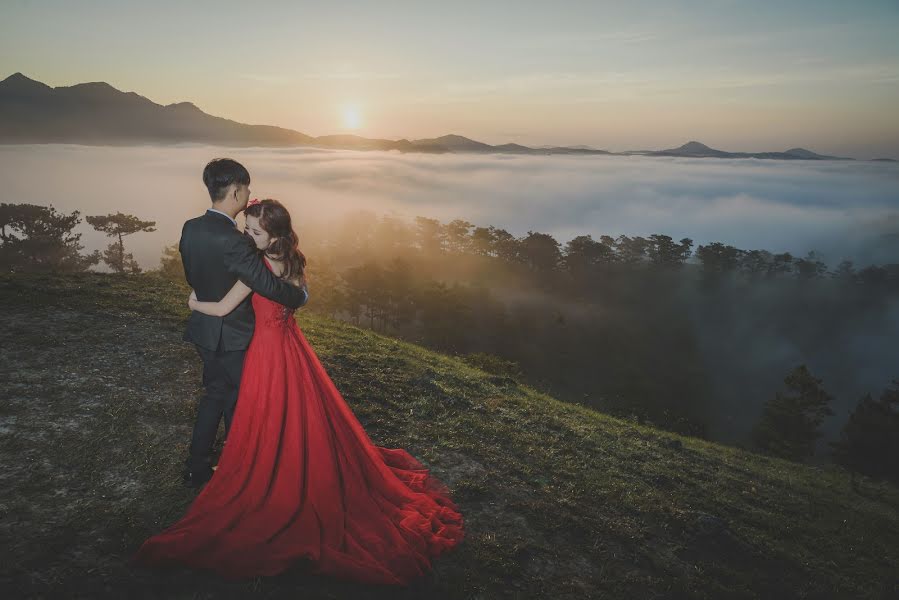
<point>300,480</point>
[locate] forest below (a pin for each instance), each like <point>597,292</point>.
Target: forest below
<point>760,350</point>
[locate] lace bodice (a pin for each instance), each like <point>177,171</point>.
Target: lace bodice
<point>268,312</point>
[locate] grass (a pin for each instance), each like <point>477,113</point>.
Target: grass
<point>559,501</point>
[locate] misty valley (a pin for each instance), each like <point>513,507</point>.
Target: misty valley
<point>708,340</point>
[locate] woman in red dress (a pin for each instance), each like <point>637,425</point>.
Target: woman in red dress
<point>299,480</point>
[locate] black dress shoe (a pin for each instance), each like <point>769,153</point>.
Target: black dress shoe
<point>196,480</point>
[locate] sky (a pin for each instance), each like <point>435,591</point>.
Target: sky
<point>738,76</point>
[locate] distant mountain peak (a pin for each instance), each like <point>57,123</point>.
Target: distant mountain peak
<point>694,149</point>
<point>452,137</point>
<point>93,90</point>
<point>694,146</point>
<point>801,152</point>
<point>185,106</point>
<point>100,87</point>
<point>17,82</point>
<point>452,142</point>
<point>16,77</point>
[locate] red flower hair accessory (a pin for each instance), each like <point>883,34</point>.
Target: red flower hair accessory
<point>252,202</point>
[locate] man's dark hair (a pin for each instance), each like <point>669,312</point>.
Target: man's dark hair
<point>222,172</point>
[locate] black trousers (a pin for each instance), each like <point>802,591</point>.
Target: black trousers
<point>221,378</point>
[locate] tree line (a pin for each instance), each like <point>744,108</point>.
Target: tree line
<point>601,322</point>
<point>868,442</point>
<point>38,238</point>
<point>34,237</point>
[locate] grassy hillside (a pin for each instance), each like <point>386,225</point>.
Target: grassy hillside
<point>96,413</point>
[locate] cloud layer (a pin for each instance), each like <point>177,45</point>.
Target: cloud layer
<point>840,209</point>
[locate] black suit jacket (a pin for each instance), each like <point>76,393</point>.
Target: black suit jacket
<point>215,255</point>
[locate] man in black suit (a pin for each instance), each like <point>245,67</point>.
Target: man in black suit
<point>215,255</point>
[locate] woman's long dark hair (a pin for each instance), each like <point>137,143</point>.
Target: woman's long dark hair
<point>275,220</point>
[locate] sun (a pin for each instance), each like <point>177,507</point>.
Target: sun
<point>352,118</point>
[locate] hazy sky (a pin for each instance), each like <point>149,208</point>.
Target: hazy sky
<point>742,76</point>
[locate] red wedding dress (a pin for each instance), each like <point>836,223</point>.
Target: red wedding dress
<point>300,479</point>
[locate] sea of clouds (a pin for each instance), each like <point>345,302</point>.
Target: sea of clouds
<point>841,209</point>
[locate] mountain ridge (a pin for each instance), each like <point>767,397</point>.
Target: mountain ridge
<point>94,113</point>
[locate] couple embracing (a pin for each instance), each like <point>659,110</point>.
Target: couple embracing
<point>299,482</point>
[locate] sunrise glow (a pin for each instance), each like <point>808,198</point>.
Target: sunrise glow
<point>352,119</point>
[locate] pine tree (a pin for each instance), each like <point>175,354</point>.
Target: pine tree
<point>38,238</point>
<point>170,265</point>
<point>869,441</point>
<point>120,225</point>
<point>789,424</point>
